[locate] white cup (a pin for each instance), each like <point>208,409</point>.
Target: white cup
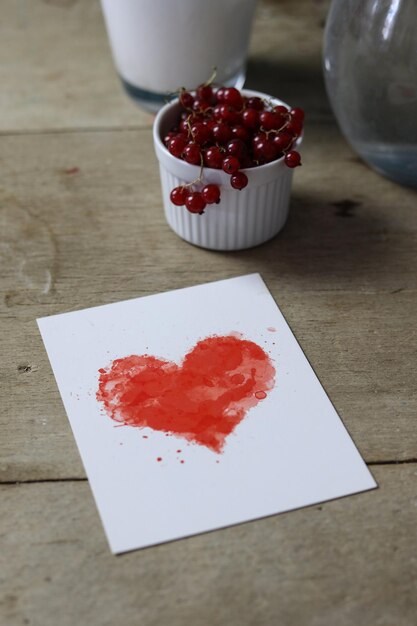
<point>161,45</point>
<point>242,219</point>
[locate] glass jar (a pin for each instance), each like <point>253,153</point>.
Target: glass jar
<point>370,69</point>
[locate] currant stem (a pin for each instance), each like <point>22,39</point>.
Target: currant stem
<point>212,77</point>
<point>273,130</point>
<point>200,177</point>
<point>199,180</point>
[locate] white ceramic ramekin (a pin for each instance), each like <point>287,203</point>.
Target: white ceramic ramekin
<point>242,219</point>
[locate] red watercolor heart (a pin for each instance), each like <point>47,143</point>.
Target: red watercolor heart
<point>203,399</point>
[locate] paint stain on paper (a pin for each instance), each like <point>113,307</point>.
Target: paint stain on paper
<point>202,399</point>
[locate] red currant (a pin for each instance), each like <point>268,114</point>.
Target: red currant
<point>230,164</point>
<point>297,114</point>
<point>237,148</point>
<point>228,114</point>
<point>168,137</point>
<point>265,151</point>
<point>240,132</point>
<point>185,124</point>
<point>204,92</point>
<point>239,180</point>
<point>295,127</point>
<point>210,124</point>
<point>217,112</point>
<point>255,103</point>
<point>221,133</point>
<point>250,118</point>
<point>195,202</point>
<point>178,195</point>
<point>282,110</point>
<point>220,94</point>
<point>211,194</point>
<point>176,145</point>
<point>200,132</point>
<point>192,153</point>
<point>201,105</point>
<point>261,136</point>
<point>283,141</point>
<point>213,157</point>
<point>233,97</point>
<point>186,100</point>
<point>270,120</point>
<point>292,158</point>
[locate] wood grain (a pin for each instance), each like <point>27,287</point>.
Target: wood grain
<point>56,69</point>
<point>81,224</point>
<point>344,562</point>
<point>344,278</point>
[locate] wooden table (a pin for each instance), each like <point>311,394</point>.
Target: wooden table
<point>82,225</point>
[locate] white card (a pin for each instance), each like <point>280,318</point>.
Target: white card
<point>196,409</point>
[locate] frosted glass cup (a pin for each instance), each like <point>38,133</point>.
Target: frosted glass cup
<point>159,46</point>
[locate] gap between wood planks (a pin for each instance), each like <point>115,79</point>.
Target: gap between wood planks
<point>85,479</point>
<point>81,129</point>
<point>316,119</point>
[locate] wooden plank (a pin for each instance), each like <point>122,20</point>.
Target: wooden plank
<point>57,71</point>
<point>343,272</point>
<point>344,562</point>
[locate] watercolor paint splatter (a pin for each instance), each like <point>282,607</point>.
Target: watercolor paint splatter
<point>202,399</point>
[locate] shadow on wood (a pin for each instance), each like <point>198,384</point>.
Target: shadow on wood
<point>340,243</point>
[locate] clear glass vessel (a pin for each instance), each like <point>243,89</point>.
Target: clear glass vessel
<point>370,69</point>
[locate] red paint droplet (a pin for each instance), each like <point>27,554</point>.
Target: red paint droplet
<point>271,329</point>
<point>202,400</point>
<point>261,395</point>
<point>178,450</point>
<point>72,170</point>
<point>159,458</point>
<point>182,461</point>
<point>145,436</point>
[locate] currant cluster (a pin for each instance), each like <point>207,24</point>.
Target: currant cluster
<point>222,129</point>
